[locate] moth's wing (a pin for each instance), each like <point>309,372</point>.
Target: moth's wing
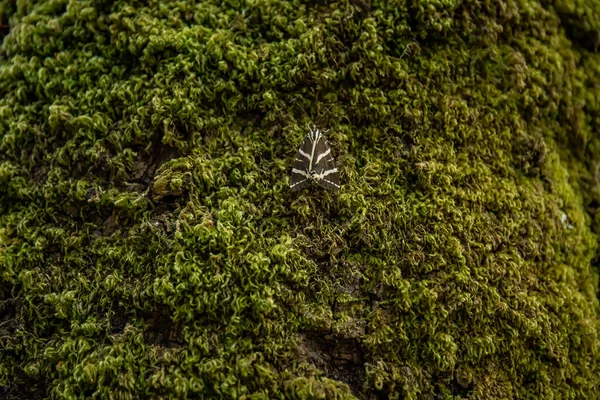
<point>299,182</point>
<point>300,177</point>
<point>324,165</point>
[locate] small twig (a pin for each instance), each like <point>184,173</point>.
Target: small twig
<point>406,49</point>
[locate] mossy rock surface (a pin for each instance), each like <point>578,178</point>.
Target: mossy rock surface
<point>150,246</point>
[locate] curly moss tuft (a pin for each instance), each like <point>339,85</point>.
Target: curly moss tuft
<point>150,246</point>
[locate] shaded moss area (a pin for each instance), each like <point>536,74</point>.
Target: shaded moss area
<point>150,246</point>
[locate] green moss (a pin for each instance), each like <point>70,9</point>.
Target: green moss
<point>150,246</point>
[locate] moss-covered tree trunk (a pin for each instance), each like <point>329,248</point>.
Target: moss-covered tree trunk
<point>150,246</point>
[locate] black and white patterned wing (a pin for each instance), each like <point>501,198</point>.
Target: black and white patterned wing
<point>324,165</point>
<point>300,177</point>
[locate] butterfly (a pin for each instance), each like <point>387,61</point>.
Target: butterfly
<point>314,163</point>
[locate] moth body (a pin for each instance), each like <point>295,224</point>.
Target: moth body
<point>314,163</point>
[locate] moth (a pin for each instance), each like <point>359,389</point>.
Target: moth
<point>314,163</point>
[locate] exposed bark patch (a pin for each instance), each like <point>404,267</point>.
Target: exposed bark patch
<point>4,29</point>
<point>341,359</point>
<point>6,10</point>
<point>161,330</point>
<point>24,387</point>
<point>146,166</point>
<point>111,225</point>
<point>588,39</point>
<point>8,317</point>
<point>118,320</point>
<point>24,390</point>
<point>463,382</point>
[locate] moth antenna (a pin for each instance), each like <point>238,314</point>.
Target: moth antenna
<point>326,111</point>
<point>305,113</point>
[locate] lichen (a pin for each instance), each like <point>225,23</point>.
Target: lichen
<point>150,245</point>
